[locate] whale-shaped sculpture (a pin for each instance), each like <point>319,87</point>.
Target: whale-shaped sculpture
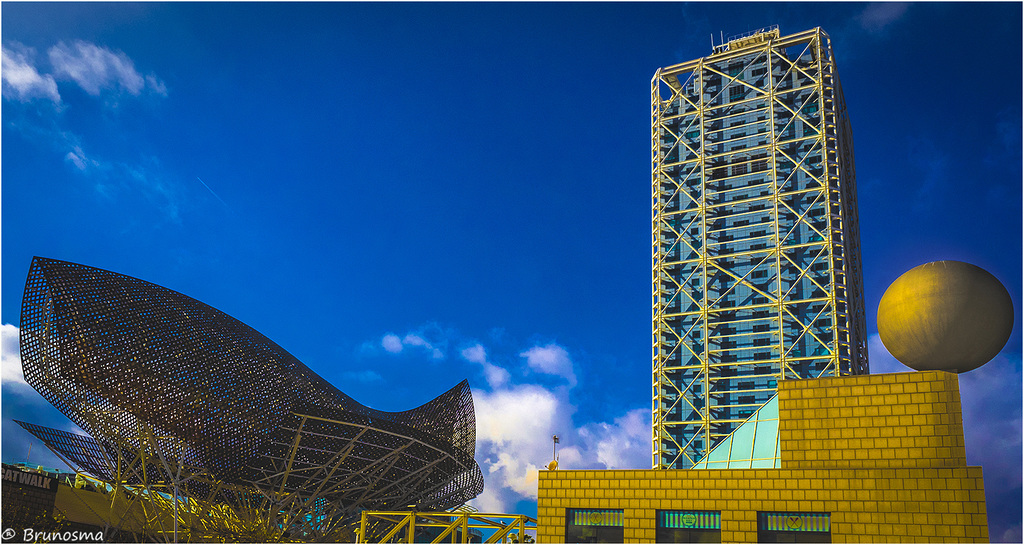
<point>126,359</point>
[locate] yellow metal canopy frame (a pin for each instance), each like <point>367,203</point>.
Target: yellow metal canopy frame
<point>755,244</point>
<point>445,527</point>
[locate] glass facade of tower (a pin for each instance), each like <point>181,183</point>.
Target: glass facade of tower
<point>756,260</point>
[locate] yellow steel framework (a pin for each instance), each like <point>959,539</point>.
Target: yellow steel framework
<point>756,264</point>
<point>445,527</point>
<point>147,484</point>
<point>147,498</point>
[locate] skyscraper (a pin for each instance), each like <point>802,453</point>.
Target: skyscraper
<point>756,260</point>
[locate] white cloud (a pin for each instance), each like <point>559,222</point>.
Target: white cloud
<point>491,500</point>
<point>391,343</point>
<point>10,357</point>
<point>512,417</point>
<point>21,80</point>
<point>99,71</point>
<point>395,344</point>
<point>156,85</point>
<point>78,158</point>
<point>413,339</point>
<point>552,360</point>
<point>624,444</point>
<point>96,68</point>
<point>496,376</point>
<point>514,428</point>
<point>12,377</point>
<point>75,159</point>
<point>876,17</point>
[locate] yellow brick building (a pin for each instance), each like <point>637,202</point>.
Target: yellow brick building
<point>868,458</point>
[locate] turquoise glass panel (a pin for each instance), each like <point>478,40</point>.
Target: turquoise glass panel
<point>721,453</point>
<point>754,444</point>
<point>767,437</point>
<point>743,440</point>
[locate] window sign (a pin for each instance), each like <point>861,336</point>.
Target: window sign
<point>597,517</point>
<point>794,528</point>
<point>796,522</point>
<point>594,525</point>
<point>704,520</point>
<point>689,527</point>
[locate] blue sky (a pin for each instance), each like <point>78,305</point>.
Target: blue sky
<point>406,195</point>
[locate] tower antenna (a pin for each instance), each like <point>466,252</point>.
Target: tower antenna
<point>553,464</point>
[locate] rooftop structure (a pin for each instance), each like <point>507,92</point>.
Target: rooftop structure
<point>183,401</point>
<point>867,458</point>
<point>756,261</point>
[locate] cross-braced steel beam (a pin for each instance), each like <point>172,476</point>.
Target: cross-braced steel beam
<point>756,267</point>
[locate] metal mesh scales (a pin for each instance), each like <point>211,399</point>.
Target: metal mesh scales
<point>116,354</point>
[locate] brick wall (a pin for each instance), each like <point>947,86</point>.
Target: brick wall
<point>868,506</point>
<point>890,420</point>
<point>898,475</point>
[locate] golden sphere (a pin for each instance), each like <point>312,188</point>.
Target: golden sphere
<point>552,465</point>
<point>945,315</point>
